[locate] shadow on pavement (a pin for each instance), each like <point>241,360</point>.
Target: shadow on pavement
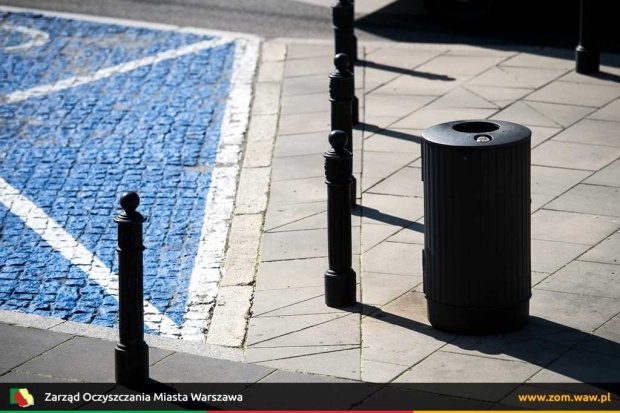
<point>512,25</point>
<point>368,127</point>
<point>404,71</point>
<point>536,343</point>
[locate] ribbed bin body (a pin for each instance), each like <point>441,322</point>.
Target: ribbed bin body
<point>477,226</point>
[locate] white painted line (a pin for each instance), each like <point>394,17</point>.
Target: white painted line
<point>61,241</point>
<point>37,37</point>
<point>221,197</point>
<point>111,71</point>
<point>132,23</point>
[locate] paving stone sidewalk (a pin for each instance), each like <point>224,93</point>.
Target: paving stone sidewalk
<point>574,330</point>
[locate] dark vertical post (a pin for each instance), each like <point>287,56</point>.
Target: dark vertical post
<point>343,16</point>
<point>340,277</point>
<point>131,353</point>
<point>341,97</point>
<point>587,53</point>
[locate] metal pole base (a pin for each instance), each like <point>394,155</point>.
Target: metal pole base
<point>353,191</point>
<point>477,321</point>
<point>132,364</point>
<point>340,288</point>
<point>586,61</point>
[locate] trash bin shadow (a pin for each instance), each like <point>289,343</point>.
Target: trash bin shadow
<point>541,342</point>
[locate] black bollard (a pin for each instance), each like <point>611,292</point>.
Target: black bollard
<point>343,16</point>
<point>131,353</point>
<point>340,277</point>
<point>341,98</point>
<point>587,53</point>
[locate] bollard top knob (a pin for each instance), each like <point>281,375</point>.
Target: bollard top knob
<point>341,61</point>
<point>338,139</point>
<point>129,202</point>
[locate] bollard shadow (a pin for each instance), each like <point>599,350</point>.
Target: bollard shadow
<point>375,129</point>
<point>541,342</point>
<point>373,213</point>
<point>404,71</point>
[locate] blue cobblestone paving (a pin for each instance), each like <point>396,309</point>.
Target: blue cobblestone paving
<point>155,130</point>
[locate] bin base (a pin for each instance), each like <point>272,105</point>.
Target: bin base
<point>477,321</point>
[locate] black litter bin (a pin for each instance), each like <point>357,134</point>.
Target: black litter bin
<point>476,256</point>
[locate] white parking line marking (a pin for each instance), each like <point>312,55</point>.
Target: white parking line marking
<point>37,37</point>
<point>63,242</point>
<point>74,81</point>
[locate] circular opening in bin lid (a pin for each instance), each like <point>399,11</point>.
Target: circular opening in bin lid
<point>475,127</point>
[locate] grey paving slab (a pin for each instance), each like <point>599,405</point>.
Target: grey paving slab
<point>394,140</point>
<point>270,71</point>
<point>298,244</point>
<point>429,84</point>
<point>405,182</point>
<point>302,51</point>
<point>378,372</point>
<point>421,399</point>
<point>591,131</point>
<point>587,278</point>
<point>609,112</point>
<point>374,234</point>
<point>574,155</point>
<point>608,251</point>
<point>298,191</point>
<point>542,133</point>
<point>312,103</point>
<point>522,113</point>
<point>280,215</point>
<point>266,301</point>
<point>315,221</point>
<point>342,331</point>
<point>343,363</point>
<point>558,59</point>
<point>500,96</point>
<point>266,99</point>
<point>461,97</point>
<point>550,256</point>
<point>605,340</point>
<point>304,123</point>
<point>277,275</point>
<point>20,344</point>
<point>383,164</point>
<point>608,176</point>
<point>304,85</point>
<point>571,227</point>
<point>538,343</point>
<point>308,66</point>
<point>563,115</point>
<point>301,144</point>
<point>396,58</point>
<point>187,368</point>
<point>394,105</point>
<point>288,377</point>
<point>554,181</point>
<point>83,359</point>
<point>537,277</point>
<point>314,305</point>
<point>379,289</point>
<point>394,258</point>
<point>539,200</point>
<point>21,377</point>
<point>581,366</point>
<point>575,94</point>
<point>262,329</point>
<point>573,310</point>
<point>446,367</point>
<point>413,234</point>
<point>391,209</point>
<point>265,354</point>
<point>590,199</point>
<point>298,167</point>
<point>429,116</point>
<point>460,65</point>
<point>517,77</point>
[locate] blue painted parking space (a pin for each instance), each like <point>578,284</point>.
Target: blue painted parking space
<point>88,111</point>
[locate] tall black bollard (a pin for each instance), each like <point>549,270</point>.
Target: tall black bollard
<point>341,97</point>
<point>343,16</point>
<point>131,353</point>
<point>340,277</point>
<point>587,53</point>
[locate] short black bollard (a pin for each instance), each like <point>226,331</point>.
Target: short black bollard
<point>340,277</point>
<point>343,16</point>
<point>341,97</point>
<point>131,353</point>
<point>587,53</point>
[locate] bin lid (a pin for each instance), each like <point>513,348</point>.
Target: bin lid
<point>480,133</point>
